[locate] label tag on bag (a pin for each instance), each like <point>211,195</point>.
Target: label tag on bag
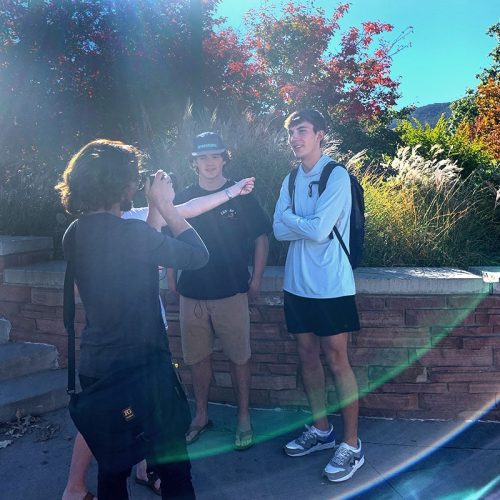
<point>128,413</point>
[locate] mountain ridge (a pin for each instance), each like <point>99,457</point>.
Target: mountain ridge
<point>430,113</point>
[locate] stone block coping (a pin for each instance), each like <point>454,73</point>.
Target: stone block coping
<point>490,274</point>
<point>400,281</point>
<point>20,244</point>
<point>369,280</point>
<point>418,281</point>
<point>48,274</point>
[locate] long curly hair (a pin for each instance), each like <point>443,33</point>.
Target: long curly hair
<point>97,176</point>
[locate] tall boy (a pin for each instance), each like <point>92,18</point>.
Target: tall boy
<point>214,300</point>
<point>319,291</point>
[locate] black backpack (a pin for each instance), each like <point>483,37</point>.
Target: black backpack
<point>357,221</point>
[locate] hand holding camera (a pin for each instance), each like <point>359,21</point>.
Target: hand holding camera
<point>161,191</point>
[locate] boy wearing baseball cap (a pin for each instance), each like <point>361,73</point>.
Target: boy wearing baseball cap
<point>214,300</point>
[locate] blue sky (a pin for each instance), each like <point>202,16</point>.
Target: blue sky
<point>449,41</point>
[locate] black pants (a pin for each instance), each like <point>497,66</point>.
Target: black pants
<point>175,476</point>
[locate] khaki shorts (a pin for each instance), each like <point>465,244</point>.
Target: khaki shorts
<point>228,319</point>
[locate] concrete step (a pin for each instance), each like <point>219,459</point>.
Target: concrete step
<point>33,394</point>
<point>18,359</point>
<point>5,328</point>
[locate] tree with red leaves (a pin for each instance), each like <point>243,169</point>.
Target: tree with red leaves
<point>302,65</point>
<point>74,69</point>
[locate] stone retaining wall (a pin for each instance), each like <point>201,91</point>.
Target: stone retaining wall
<point>417,355</point>
<point>429,346</point>
<point>23,250</point>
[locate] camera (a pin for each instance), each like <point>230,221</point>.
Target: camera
<point>148,175</point>
<point>172,176</point>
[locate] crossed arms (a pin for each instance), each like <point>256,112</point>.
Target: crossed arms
<point>316,227</point>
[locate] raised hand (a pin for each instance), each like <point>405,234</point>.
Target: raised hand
<point>245,186</point>
<point>161,190</point>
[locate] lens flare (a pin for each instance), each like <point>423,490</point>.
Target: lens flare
<point>283,422</point>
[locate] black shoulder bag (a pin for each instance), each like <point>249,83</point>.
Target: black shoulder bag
<point>131,414</point>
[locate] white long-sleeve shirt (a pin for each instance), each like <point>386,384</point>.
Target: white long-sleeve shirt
<point>316,266</point>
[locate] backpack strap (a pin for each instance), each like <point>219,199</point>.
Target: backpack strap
<point>291,186</point>
<point>325,175</point>
<point>323,180</point>
<point>69,309</point>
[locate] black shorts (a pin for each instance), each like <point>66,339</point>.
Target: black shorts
<point>324,317</point>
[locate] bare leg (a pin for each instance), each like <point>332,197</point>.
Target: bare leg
<point>240,375</point>
<point>335,349</point>
<point>202,377</point>
<point>313,376</point>
<point>141,470</point>
<point>80,462</point>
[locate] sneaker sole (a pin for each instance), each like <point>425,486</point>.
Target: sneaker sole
<point>345,478</point>
<point>320,447</point>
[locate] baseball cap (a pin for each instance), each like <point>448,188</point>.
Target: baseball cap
<point>207,142</point>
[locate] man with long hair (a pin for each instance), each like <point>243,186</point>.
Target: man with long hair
<point>116,272</point>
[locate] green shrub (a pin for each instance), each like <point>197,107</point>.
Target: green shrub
<point>469,154</point>
<point>425,215</point>
<point>378,140</point>
<point>29,204</point>
<point>463,110</point>
<point>420,212</point>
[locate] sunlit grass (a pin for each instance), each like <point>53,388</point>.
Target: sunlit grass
<point>414,225</point>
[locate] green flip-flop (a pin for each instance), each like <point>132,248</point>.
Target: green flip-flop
<point>243,439</point>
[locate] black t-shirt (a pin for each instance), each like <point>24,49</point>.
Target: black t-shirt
<point>116,271</point>
<point>229,232</point>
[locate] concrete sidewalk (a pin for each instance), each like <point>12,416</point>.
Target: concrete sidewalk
<point>404,459</point>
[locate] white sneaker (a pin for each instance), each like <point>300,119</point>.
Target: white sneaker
<point>345,462</point>
<point>308,442</point>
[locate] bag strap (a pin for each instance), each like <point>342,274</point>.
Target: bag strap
<point>325,175</point>
<point>341,241</point>
<point>291,186</point>
<point>69,322</point>
<point>323,180</point>
<point>69,311</point>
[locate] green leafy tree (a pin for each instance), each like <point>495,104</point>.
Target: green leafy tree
<point>456,145</point>
<point>463,110</point>
<point>494,70</point>
<point>76,70</point>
